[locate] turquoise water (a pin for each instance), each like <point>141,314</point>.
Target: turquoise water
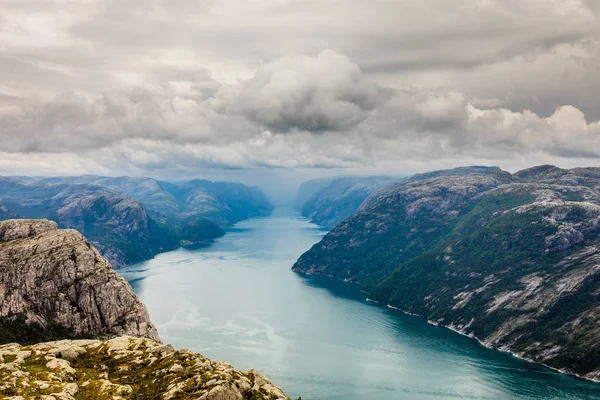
<point>237,300</point>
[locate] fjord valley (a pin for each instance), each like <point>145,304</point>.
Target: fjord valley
<point>238,300</point>
<point>133,219</point>
<point>509,259</point>
<point>66,314</point>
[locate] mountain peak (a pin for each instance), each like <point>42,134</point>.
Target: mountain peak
<point>540,172</point>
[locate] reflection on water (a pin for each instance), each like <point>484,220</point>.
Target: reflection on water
<point>237,300</point>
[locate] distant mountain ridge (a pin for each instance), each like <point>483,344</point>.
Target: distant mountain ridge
<point>328,201</point>
<point>510,259</point>
<point>133,219</point>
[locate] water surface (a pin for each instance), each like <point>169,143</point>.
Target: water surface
<point>237,300</point>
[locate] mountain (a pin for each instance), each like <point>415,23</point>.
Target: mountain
<point>309,189</point>
<point>119,226</point>
<point>511,260</point>
<point>329,201</point>
<point>133,219</point>
<point>54,285</point>
<point>224,203</point>
<point>97,341</point>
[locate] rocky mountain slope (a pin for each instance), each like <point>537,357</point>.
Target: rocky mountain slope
<point>123,368</point>
<point>133,219</point>
<point>329,201</point>
<point>224,203</point>
<point>512,260</point>
<point>54,284</point>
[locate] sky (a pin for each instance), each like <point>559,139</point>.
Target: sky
<point>244,90</point>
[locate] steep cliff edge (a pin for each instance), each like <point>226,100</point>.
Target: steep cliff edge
<point>54,284</point>
<point>124,368</point>
<point>512,260</point>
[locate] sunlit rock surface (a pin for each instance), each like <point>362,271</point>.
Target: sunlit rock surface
<point>123,368</point>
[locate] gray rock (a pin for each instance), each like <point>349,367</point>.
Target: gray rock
<point>151,373</point>
<point>19,229</point>
<point>55,276</point>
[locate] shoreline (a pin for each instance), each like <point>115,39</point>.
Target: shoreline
<point>182,243</point>
<point>471,336</point>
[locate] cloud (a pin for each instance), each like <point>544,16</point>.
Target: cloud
<point>184,86</point>
<point>317,94</point>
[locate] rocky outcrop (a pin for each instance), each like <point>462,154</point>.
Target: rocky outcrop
<point>123,368</point>
<point>23,229</point>
<point>55,285</point>
<point>510,259</point>
<point>54,280</point>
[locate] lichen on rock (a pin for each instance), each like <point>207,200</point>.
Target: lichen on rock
<point>123,368</point>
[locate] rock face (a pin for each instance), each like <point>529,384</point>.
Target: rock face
<point>512,260</point>
<point>123,368</point>
<point>54,284</point>
<point>133,219</point>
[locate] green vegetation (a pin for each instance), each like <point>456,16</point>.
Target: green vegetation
<point>16,330</point>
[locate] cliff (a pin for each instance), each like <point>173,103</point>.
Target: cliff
<point>54,284</point>
<point>512,260</point>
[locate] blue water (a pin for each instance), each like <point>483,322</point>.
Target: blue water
<point>237,300</point>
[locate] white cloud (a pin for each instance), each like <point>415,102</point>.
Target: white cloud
<point>317,94</point>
